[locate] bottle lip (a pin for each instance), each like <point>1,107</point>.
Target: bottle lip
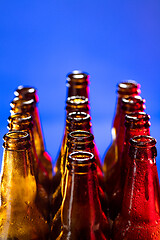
<point>78,76</point>
<point>80,136</point>
<point>20,120</point>
<point>81,157</point>
<point>129,87</point>
<point>77,100</point>
<point>143,141</point>
<point>26,92</point>
<point>133,103</point>
<point>22,104</point>
<point>137,119</point>
<point>16,140</point>
<point>78,117</point>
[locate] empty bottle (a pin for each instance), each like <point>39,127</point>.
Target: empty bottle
<point>20,218</point>
<point>140,214</point>
<point>23,122</point>
<point>27,95</point>
<point>112,164</point>
<point>19,105</point>
<point>82,215</point>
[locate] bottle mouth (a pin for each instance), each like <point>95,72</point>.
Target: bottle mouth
<point>20,121</point>
<point>78,77</point>
<point>81,158</point>
<point>26,92</point>
<point>77,103</point>
<point>80,136</point>
<point>20,105</point>
<point>16,140</point>
<point>133,103</point>
<point>129,87</point>
<point>137,119</point>
<point>77,117</point>
<point>143,141</point>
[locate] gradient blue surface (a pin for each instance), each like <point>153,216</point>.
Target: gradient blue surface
<point>41,41</point>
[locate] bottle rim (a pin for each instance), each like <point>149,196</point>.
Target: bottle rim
<point>77,76</point>
<point>81,157</point>
<point>128,87</point>
<point>16,140</point>
<point>143,141</point>
<point>137,119</point>
<point>26,92</point>
<point>80,136</point>
<point>78,117</point>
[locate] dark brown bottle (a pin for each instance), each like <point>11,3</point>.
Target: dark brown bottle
<point>19,105</point>
<point>19,218</point>
<point>23,122</point>
<point>112,165</point>
<point>140,214</point>
<point>136,123</point>
<point>82,215</point>
<point>77,84</point>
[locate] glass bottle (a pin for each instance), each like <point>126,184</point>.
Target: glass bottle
<point>136,123</point>
<point>140,214</point>
<point>112,165</point>
<point>23,122</point>
<point>19,218</point>
<point>77,84</point>
<point>82,215</point>
<point>27,94</point>
<point>125,89</point>
<point>19,105</point>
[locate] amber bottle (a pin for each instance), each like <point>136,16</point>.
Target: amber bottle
<point>112,165</point>
<point>77,84</point>
<point>82,215</point>
<point>27,94</point>
<point>19,218</point>
<point>136,123</point>
<point>19,105</point>
<point>140,214</point>
<point>23,122</point>
<point>74,121</point>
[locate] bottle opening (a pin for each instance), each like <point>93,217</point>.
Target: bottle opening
<point>81,157</point>
<point>19,117</point>
<point>143,141</point>
<point>80,136</point>
<point>77,100</point>
<point>133,103</point>
<point>16,140</point>
<point>129,87</point>
<point>78,116</point>
<point>137,119</point>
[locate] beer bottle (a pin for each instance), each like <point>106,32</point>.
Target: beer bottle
<point>23,122</point>
<point>74,121</point>
<point>19,218</point>
<point>19,105</point>
<point>136,123</point>
<point>125,89</point>
<point>82,215</point>
<point>140,214</point>
<point>27,94</point>
<point>77,84</point>
<point>112,166</point>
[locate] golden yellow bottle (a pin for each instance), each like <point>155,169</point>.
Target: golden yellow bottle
<point>23,122</point>
<point>19,216</point>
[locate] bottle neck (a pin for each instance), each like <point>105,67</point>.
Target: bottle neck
<point>141,200</point>
<point>18,185</point>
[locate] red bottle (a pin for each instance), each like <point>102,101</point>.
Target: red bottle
<point>82,215</point>
<point>136,123</point>
<point>113,165</point>
<point>140,214</point>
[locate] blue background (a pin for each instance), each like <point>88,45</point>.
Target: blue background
<point>41,41</point>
